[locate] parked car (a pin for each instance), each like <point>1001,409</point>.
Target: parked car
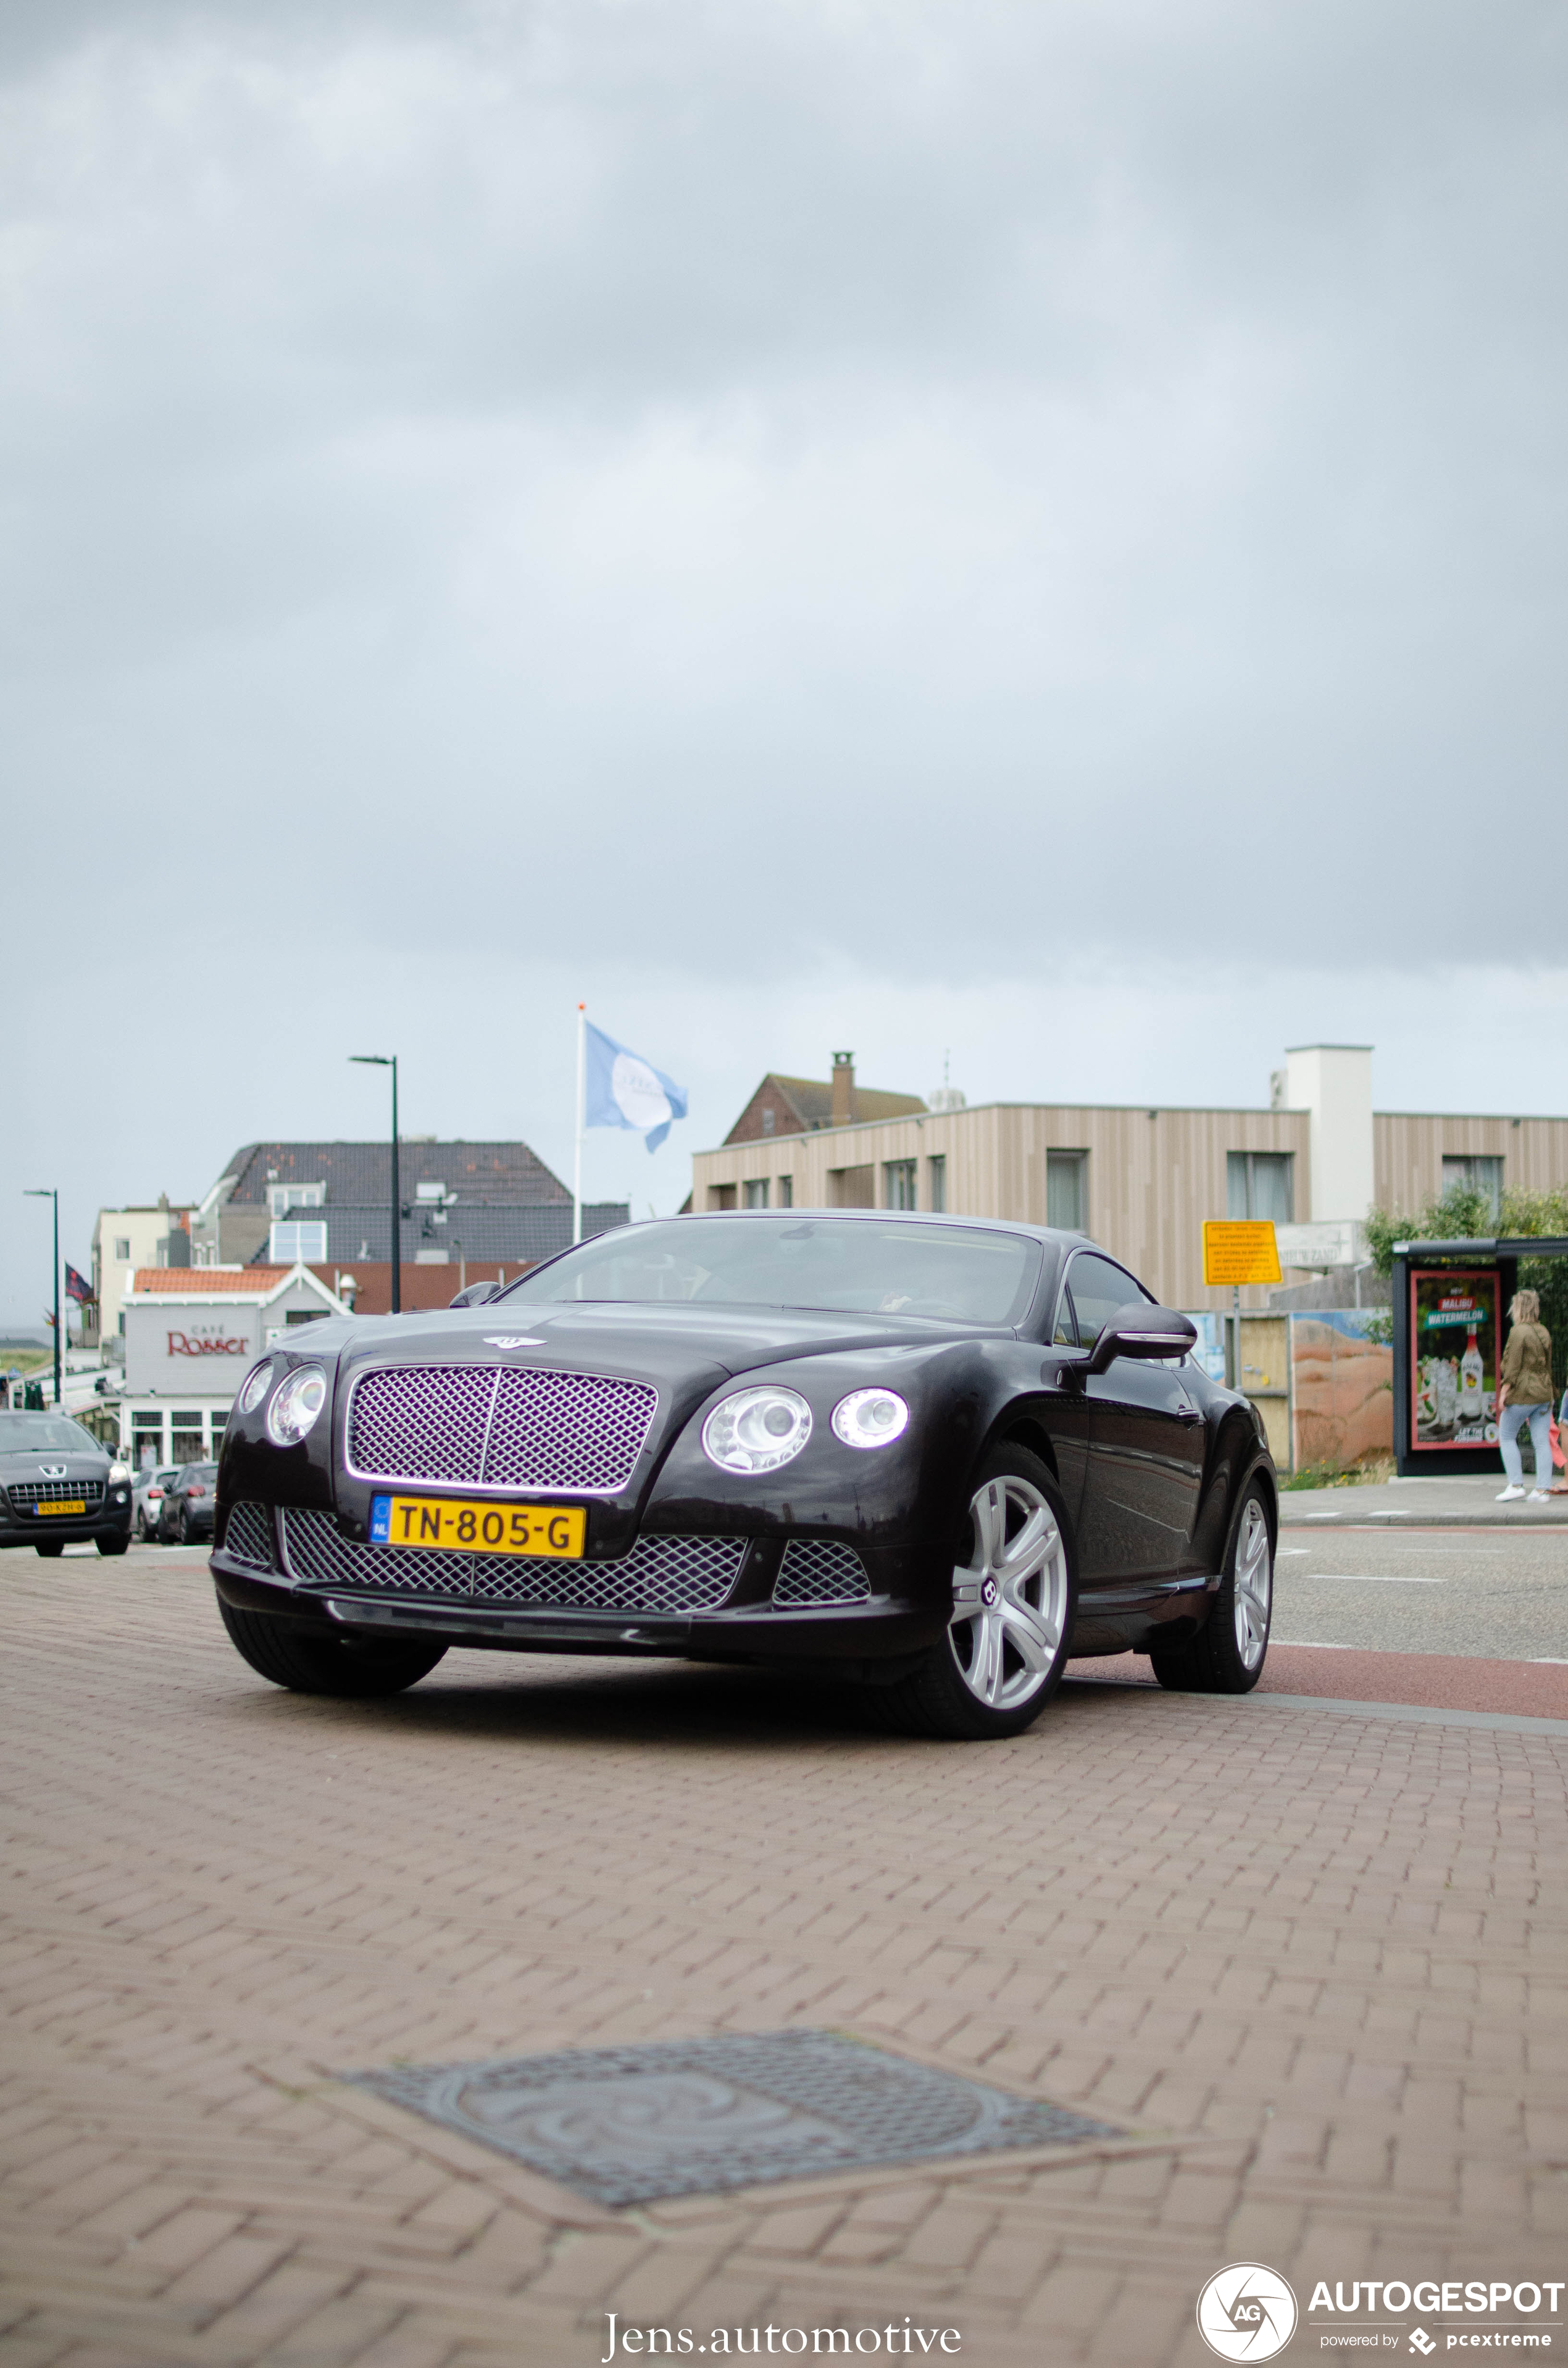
<point>58,1485</point>
<point>935,1456</point>
<point>147,1495</point>
<point>185,1513</point>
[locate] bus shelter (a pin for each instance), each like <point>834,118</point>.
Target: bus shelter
<point>1450,1321</point>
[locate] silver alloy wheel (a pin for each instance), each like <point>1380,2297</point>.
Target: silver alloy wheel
<point>1254,1589</point>
<point>1010,1598</point>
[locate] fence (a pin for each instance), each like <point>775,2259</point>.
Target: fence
<point>1322,1380</point>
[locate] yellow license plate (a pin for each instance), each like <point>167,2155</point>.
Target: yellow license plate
<point>72,1505</point>
<point>456,1526</point>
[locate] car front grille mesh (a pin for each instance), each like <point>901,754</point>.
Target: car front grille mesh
<point>55,1492</point>
<point>660,1575</point>
<point>248,1537</point>
<point>317,1551</point>
<point>499,1426</point>
<point>668,1574</point>
<point>821,1570</point>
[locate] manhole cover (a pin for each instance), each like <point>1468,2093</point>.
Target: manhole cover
<point>691,2117</point>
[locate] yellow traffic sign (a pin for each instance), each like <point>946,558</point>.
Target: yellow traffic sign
<point>1238,1250</point>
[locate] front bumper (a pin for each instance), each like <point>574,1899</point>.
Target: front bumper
<point>107,1520</point>
<point>903,1604</point>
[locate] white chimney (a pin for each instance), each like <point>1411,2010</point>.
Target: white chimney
<point>1332,1083</point>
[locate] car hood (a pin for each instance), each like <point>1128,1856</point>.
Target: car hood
<point>27,1465</point>
<point>653,1343</point>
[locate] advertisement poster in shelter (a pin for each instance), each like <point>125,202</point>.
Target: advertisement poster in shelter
<point>1455,1350</point>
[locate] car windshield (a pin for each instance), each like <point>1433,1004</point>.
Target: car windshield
<point>45,1434</point>
<point>198,1472</point>
<point>851,1264</point>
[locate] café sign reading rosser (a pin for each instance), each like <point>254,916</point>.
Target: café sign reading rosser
<point>203,1344</point>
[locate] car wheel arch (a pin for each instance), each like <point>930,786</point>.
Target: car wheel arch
<point>1023,1431</point>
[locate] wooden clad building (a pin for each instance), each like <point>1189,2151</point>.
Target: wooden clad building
<point>1141,1180</point>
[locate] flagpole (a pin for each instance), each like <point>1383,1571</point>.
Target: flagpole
<point>577,1162</point>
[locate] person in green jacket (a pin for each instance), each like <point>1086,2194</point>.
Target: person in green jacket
<point>1524,1396</point>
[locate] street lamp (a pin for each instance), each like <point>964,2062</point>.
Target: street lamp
<point>388,1061</point>
<point>47,1192</point>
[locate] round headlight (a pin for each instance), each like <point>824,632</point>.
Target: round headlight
<point>870,1418</point>
<point>256,1383</point>
<point>756,1429</point>
<point>295,1405</point>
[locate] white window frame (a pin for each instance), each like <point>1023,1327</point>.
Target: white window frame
<point>286,1243</point>
<point>282,1198</point>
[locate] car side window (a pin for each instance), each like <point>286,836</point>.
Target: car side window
<point>1098,1290</point>
<point>1065,1335</point>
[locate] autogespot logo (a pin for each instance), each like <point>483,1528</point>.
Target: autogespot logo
<point>1247,2312</point>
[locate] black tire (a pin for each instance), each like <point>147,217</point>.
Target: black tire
<point>182,1527</point>
<point>308,1664</point>
<point>941,1697</point>
<point>143,1532</point>
<point>114,1545</point>
<point>1215,1661</point>
<point>56,1546</point>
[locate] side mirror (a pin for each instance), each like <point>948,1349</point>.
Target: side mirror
<point>477,1294</point>
<point>1139,1330</point>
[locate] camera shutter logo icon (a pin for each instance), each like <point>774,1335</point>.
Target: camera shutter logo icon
<point>1247,2312</point>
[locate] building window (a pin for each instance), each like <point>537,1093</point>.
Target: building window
<point>1483,1175</point>
<point>1261,1184</point>
<point>122,1247</point>
<point>755,1190</point>
<point>1065,1197</point>
<point>786,1191</point>
<point>147,1439</point>
<point>289,1242</point>
<point>721,1196</point>
<point>185,1441</point>
<point>769,1117</point>
<point>220,1425</point>
<point>898,1183</point>
<point>281,1198</point>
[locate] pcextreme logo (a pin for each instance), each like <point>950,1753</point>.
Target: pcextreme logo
<point>1247,2312</point>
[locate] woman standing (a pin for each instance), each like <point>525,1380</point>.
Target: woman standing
<point>1524,1396</point>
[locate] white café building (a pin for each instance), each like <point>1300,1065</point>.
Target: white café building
<point>191,1336</point>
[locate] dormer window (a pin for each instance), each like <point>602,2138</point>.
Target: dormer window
<point>281,1198</point>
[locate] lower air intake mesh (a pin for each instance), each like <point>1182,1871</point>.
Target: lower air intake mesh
<point>821,1570</point>
<point>248,1537</point>
<point>667,1575</point>
<point>319,1553</point>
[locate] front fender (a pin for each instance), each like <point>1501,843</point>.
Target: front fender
<point>911,1490</point>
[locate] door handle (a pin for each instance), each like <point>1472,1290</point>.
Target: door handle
<point>1186,1413</point>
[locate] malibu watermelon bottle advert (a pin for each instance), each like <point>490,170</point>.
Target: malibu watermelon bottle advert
<point>1456,1350</point>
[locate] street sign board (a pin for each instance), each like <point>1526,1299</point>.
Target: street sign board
<point>1239,1250</point>
<point>1338,1241</point>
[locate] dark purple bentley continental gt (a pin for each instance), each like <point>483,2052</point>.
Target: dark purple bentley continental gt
<point>932,1456</point>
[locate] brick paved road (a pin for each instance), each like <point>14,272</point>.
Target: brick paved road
<point>1323,1955</point>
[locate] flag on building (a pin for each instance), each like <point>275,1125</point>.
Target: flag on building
<point>77,1287</point>
<point>623,1089</point>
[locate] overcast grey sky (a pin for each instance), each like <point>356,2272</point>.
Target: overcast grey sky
<point>1035,529</point>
